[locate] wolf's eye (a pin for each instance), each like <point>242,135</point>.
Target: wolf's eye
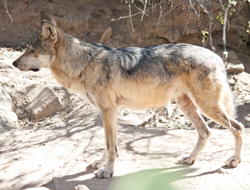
<point>32,51</point>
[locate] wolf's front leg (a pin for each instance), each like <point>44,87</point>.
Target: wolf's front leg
<point>109,117</point>
<point>102,162</point>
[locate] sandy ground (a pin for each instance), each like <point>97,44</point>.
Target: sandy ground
<point>59,158</point>
<point>55,152</point>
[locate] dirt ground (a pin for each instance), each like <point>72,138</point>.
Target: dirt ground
<point>55,152</point>
<point>59,158</point>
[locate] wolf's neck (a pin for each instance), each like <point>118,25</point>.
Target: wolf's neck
<point>74,55</point>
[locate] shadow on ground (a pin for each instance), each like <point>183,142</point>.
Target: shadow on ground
<point>142,180</point>
<point>55,158</point>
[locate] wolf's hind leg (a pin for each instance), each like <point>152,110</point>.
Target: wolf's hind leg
<point>219,107</point>
<point>236,128</point>
<point>193,114</point>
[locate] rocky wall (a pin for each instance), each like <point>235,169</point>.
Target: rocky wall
<point>89,19</point>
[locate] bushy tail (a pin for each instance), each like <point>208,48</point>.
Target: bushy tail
<point>230,102</point>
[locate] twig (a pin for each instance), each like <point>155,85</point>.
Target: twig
<point>157,4</point>
<point>144,10</point>
<point>192,6</point>
<point>7,11</point>
<point>210,27</point>
<point>139,8</point>
<point>162,9</point>
<point>238,27</point>
<point>171,7</point>
<point>130,17</point>
<point>222,5</point>
<point>225,53</point>
<point>210,16</point>
<point>225,26</point>
<point>199,12</point>
<point>123,17</point>
<point>189,17</point>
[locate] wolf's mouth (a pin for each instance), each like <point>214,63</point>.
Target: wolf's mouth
<point>34,69</point>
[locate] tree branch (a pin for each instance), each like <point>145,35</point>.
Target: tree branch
<point>7,11</point>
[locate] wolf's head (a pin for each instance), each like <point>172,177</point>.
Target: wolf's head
<point>41,51</point>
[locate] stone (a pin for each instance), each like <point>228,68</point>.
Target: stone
<point>231,81</point>
<point>233,58</point>
<point>7,117</point>
<point>135,118</point>
<point>80,187</point>
<point>171,35</point>
<point>222,171</point>
<point>106,35</point>
<point>37,188</point>
<point>235,69</point>
<point>42,102</point>
<point>192,31</point>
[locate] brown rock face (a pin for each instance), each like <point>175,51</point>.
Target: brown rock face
<point>89,20</point>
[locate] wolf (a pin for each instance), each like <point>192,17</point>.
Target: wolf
<point>139,78</point>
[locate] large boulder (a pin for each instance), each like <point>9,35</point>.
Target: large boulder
<point>42,102</point>
<point>7,117</point>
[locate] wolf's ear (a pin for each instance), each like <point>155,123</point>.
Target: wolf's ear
<point>48,27</point>
<point>47,17</point>
<point>48,31</point>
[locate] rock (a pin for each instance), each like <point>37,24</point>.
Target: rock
<point>106,35</point>
<point>42,102</point>
<point>231,81</point>
<point>37,188</point>
<point>61,185</point>
<point>163,119</point>
<point>233,58</point>
<point>235,69</point>
<point>80,187</point>
<point>171,35</point>
<point>135,118</point>
<point>192,31</point>
<point>7,117</point>
<point>222,171</point>
<point>5,100</point>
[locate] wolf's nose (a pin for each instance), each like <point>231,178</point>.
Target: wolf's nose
<point>15,63</point>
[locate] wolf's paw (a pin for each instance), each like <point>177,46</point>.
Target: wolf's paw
<point>98,164</point>
<point>233,161</point>
<point>187,160</point>
<point>104,173</point>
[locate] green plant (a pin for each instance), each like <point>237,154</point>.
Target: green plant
<point>220,18</point>
<point>248,27</point>
<point>205,35</point>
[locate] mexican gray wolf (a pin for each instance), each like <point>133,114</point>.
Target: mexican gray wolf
<point>139,78</point>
